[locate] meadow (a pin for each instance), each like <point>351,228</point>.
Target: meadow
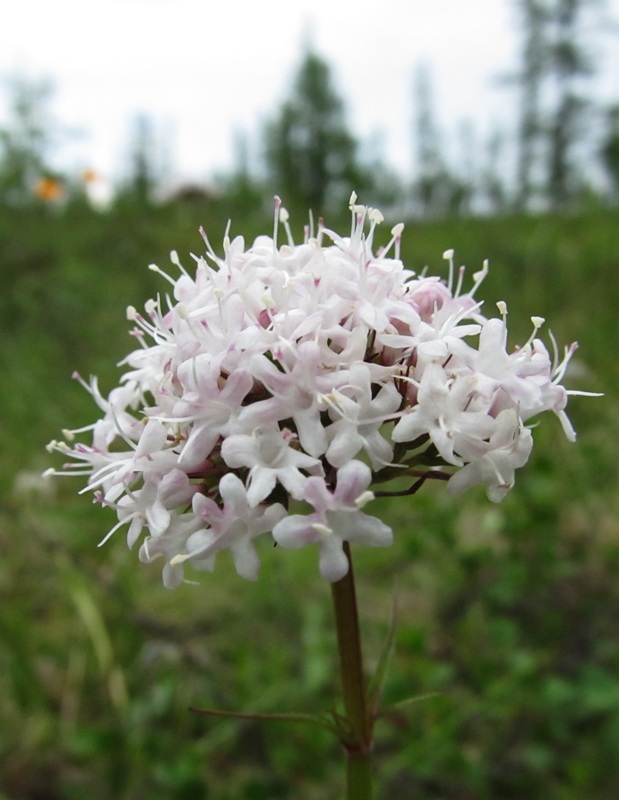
<point>508,615</point>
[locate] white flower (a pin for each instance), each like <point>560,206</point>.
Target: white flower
<point>507,449</point>
<point>270,458</point>
<point>233,525</point>
<point>358,419</point>
<point>446,410</point>
<point>270,371</point>
<point>337,518</point>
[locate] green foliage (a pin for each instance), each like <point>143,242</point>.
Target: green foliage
<point>506,613</point>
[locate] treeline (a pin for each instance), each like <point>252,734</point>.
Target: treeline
<point>560,153</point>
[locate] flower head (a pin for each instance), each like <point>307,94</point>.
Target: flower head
<point>304,373</point>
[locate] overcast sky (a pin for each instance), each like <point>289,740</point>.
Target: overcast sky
<point>203,70</point>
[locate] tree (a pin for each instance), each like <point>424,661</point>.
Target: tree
<point>145,171</point>
<point>240,188</point>
<point>311,157</point>
<point>610,150</point>
<point>437,190</point>
<point>494,193</point>
<point>430,166</point>
<point>25,142</point>
<point>534,16</point>
<point>555,62</point>
<point>569,62</point>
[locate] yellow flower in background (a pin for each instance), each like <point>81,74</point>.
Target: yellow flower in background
<point>89,176</point>
<point>48,189</point>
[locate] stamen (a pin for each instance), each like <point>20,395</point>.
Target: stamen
<point>159,271</point>
<point>449,256</point>
<point>284,216</point>
<point>461,272</point>
<point>211,252</point>
<point>537,324</point>
<point>479,277</point>
<point>364,498</point>
<point>278,203</point>
<point>111,532</point>
<point>396,238</point>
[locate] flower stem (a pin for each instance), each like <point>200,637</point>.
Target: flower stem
<point>357,737</point>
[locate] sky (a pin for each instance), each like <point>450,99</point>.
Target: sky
<point>203,71</point>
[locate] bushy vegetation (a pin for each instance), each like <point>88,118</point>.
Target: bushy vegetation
<point>507,614</point>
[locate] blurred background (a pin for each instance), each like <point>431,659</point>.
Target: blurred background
<point>489,127</point>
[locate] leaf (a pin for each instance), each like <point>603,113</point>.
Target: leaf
<point>408,701</point>
<point>377,684</point>
<point>315,719</point>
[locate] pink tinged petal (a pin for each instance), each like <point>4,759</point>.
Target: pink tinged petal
<point>566,425</point>
<point>293,481</point>
<point>266,372</point>
<point>175,489</point>
<point>135,529</point>
<point>378,449</point>
<point>261,484</point>
<point>410,427</point>
<point>158,518</point>
<point>236,388</point>
<point>311,432</point>
<point>355,526</point>
<point>173,576</point>
<point>246,559</point>
<point>153,438</point>
<point>444,442</point>
<point>206,510</point>
<point>262,412</point>
<point>387,401</point>
<point>296,531</point>
<point>332,562</point>
<point>317,494</point>
<point>352,480</point>
<point>508,450</point>
<point>200,542</point>
<point>199,445</point>
<point>470,475</point>
<point>239,451</point>
<point>204,564</point>
<point>492,343</point>
<point>147,554</point>
<point>233,492</point>
<point>270,445</point>
<point>271,517</point>
<point>300,460</point>
<point>344,446</point>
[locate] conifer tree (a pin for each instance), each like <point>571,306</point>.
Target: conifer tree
<point>25,140</point>
<point>311,157</point>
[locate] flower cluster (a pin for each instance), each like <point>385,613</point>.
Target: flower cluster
<point>306,373</point>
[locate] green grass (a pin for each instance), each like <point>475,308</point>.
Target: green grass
<point>509,613</point>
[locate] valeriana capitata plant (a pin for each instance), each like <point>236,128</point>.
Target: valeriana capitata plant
<point>312,373</point>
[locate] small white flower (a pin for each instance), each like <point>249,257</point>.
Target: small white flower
<point>269,458</point>
<point>337,518</point>
<point>508,449</point>
<point>233,525</point>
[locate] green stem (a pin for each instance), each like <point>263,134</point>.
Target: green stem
<point>357,739</point>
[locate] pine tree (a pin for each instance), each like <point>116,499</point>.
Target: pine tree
<point>534,16</point>
<point>569,63</point>
<point>311,157</point>
<point>25,142</point>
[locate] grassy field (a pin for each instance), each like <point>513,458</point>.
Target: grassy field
<point>508,614</point>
